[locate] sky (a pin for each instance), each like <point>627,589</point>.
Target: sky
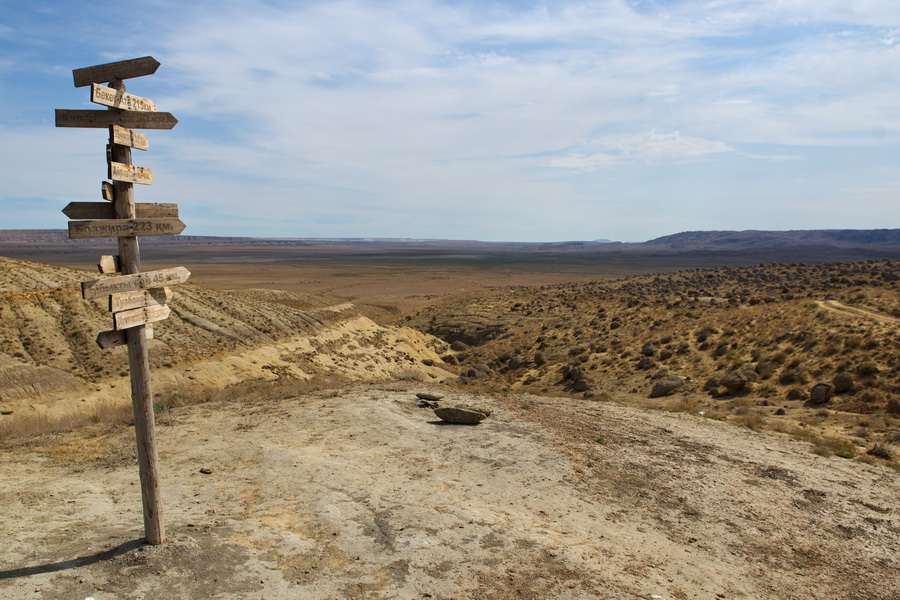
<point>493,120</point>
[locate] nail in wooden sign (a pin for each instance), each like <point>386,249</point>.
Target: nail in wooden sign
<point>140,316</point>
<point>126,137</point>
<point>98,288</point>
<point>123,69</point>
<point>102,210</point>
<point>132,119</point>
<point>130,173</point>
<point>100,94</point>
<point>82,230</point>
<point>139,299</point>
<point>112,339</point>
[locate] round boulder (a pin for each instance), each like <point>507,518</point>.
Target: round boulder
<point>666,386</point>
<point>428,396</point>
<point>821,393</point>
<point>734,382</point>
<point>842,382</point>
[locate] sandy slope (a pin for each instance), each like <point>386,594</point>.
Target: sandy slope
<point>360,493</point>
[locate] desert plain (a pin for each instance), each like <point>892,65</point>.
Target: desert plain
<point>663,425</point>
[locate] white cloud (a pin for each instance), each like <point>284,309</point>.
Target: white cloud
<point>650,148</point>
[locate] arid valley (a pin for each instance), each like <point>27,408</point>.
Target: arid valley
<point>709,416</point>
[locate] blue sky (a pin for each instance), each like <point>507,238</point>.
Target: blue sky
<point>488,120</point>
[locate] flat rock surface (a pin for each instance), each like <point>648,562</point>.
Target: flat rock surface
<point>358,493</point>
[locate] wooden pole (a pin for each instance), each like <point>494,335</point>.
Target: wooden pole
<point>138,358</point>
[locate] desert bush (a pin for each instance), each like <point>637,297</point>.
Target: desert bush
<point>829,446</point>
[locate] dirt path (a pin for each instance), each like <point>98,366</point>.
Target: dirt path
<point>363,494</point>
<point>857,311</point>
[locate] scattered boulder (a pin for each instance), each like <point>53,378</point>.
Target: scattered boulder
<point>711,385</point>
<point>463,414</point>
<point>733,382</point>
<point>540,359</point>
<point>514,363</point>
<point>582,385</point>
<point>428,362</point>
<point>429,396</point>
<point>893,406</point>
<point>459,346</point>
<point>648,349</point>
<point>842,382</point>
<point>645,363</point>
<point>780,412</point>
<point>666,386</point>
<point>450,359</point>
<point>821,393</point>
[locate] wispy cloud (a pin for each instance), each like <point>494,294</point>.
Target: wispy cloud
<point>428,115</point>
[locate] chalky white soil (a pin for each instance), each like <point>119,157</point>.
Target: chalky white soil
<point>361,493</point>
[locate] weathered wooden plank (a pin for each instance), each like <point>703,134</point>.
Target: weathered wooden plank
<point>132,119</point>
<point>81,230</point>
<point>106,190</point>
<point>113,338</point>
<point>102,210</point>
<point>140,316</point>
<point>100,94</point>
<point>98,288</point>
<point>139,299</point>
<point>122,69</point>
<point>108,264</point>
<point>130,173</point>
<point>126,137</point>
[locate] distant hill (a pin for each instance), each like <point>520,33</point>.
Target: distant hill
<point>738,240</point>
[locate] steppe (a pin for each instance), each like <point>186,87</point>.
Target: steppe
<point>288,373</point>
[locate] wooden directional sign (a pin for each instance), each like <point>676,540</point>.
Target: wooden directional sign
<point>106,190</point>
<point>123,69</point>
<point>111,339</point>
<point>131,119</point>
<point>98,288</point>
<point>100,94</point>
<point>101,210</point>
<point>140,316</point>
<point>82,230</point>
<point>127,137</point>
<point>139,299</point>
<point>130,173</point>
<point>108,264</point>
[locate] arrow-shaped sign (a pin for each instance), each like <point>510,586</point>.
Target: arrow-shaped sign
<point>139,299</point>
<point>103,210</point>
<point>133,119</point>
<point>127,137</point>
<point>82,230</point>
<point>140,316</point>
<point>129,173</point>
<point>111,339</point>
<point>123,69</point>
<point>98,288</point>
<point>100,94</point>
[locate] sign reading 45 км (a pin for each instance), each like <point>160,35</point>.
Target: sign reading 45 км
<point>98,288</point>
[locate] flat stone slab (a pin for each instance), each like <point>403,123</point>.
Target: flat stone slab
<point>462,414</point>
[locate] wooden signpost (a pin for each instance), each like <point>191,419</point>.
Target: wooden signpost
<point>136,298</point>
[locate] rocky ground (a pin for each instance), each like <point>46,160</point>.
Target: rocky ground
<point>282,479</point>
<point>361,493</point>
<point>776,346</point>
